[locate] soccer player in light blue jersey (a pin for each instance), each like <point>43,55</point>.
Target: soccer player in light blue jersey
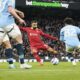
<point>9,28</point>
<point>69,35</point>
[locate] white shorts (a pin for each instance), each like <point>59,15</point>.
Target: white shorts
<point>72,48</point>
<point>9,31</point>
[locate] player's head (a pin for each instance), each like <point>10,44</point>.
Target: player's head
<point>34,24</point>
<point>68,21</point>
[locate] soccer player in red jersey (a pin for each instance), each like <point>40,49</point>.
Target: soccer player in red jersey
<point>36,43</point>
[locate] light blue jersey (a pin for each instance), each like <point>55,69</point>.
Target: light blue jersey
<point>5,17</point>
<point>69,35</point>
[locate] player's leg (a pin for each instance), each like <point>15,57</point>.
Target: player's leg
<point>8,51</point>
<point>71,54</point>
<point>78,47</point>
<point>52,50</point>
<point>34,51</point>
<point>2,34</point>
<point>16,34</point>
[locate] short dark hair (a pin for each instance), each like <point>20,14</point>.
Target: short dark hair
<point>33,21</point>
<point>68,21</point>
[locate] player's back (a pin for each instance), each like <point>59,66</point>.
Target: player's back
<point>5,16</point>
<point>71,34</point>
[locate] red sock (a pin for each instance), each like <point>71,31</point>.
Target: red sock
<point>37,57</point>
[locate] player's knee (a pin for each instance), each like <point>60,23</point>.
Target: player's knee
<point>19,39</point>
<point>7,44</point>
<point>19,47</point>
<point>50,49</point>
<point>34,51</point>
<point>20,50</point>
<point>8,53</point>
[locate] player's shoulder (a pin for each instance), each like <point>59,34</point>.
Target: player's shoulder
<point>38,29</point>
<point>28,28</point>
<point>67,26</point>
<point>62,28</point>
<point>75,27</point>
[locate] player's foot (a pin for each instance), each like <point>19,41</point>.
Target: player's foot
<point>12,66</point>
<point>25,66</point>
<point>74,62</point>
<point>41,63</point>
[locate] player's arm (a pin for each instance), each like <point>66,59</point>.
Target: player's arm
<point>47,35</point>
<point>15,15</point>
<point>78,30</point>
<point>62,35</point>
<point>20,13</point>
<point>61,38</point>
<point>24,29</point>
<point>11,10</point>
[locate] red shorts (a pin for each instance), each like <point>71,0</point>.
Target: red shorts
<point>40,47</point>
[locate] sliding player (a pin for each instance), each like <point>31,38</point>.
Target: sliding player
<point>69,35</point>
<point>36,43</point>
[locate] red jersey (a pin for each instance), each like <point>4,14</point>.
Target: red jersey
<point>34,36</point>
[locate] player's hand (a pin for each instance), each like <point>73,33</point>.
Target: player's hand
<point>57,39</point>
<point>22,22</point>
<point>21,14</point>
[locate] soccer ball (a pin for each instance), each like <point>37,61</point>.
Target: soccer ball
<point>55,61</point>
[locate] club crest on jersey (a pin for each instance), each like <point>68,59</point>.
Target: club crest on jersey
<point>32,34</point>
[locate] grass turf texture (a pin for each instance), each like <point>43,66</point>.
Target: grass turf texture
<point>63,71</point>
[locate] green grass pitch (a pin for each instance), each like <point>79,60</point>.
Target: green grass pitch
<point>62,71</point>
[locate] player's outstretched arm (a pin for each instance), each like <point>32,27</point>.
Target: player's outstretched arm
<point>24,29</point>
<point>48,36</point>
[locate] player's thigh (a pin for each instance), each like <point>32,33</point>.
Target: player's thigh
<point>52,50</point>
<point>6,42</point>
<point>46,47</point>
<point>2,35</point>
<point>69,49</point>
<point>78,47</point>
<point>15,33</point>
<point>34,50</point>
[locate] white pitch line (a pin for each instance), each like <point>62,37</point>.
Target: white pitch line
<point>38,70</point>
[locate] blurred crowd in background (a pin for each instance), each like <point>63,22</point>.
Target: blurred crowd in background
<point>49,25</point>
<point>50,21</point>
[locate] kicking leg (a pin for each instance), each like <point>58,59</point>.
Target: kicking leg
<point>52,50</point>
